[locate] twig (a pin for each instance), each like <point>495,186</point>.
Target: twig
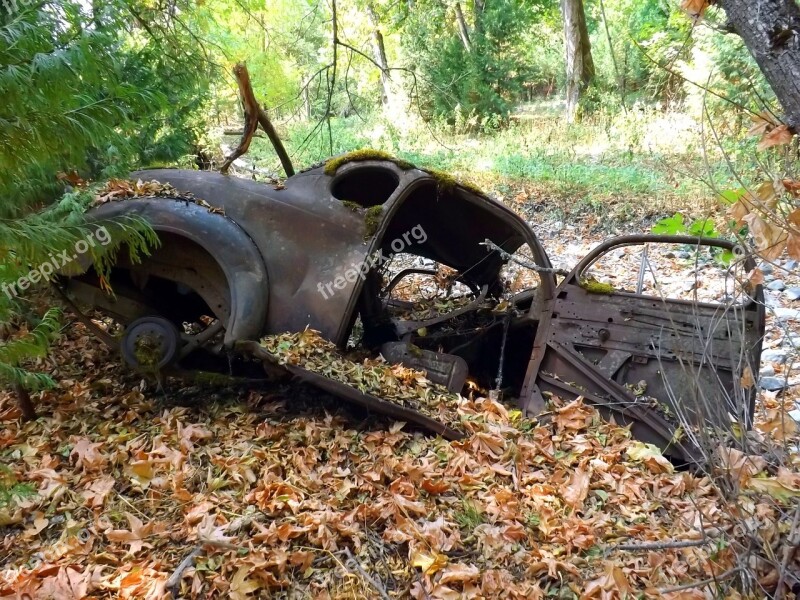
<point>375,584</point>
<point>666,545</point>
<point>693,584</point>
<point>788,551</point>
<point>174,581</point>
<point>529,265</point>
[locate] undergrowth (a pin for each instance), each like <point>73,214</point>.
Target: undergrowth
<point>646,163</point>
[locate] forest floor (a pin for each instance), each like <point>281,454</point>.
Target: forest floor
<point>279,491</point>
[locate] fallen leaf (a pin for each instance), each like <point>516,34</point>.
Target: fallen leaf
<point>577,489</point>
<point>242,585</point>
<point>651,456</point>
<point>773,487</point>
<point>776,137</point>
<point>428,563</point>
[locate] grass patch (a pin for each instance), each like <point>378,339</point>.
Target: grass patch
<point>469,516</point>
<point>652,162</point>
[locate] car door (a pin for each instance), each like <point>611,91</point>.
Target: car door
<point>663,357</point>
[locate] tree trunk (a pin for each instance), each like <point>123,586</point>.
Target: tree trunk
<point>24,403</point>
<point>379,49</point>
<point>478,6</point>
<point>463,32</point>
<point>771,31</point>
<point>580,67</point>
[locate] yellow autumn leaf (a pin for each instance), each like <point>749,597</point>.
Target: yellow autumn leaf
<point>650,455</point>
<point>774,488</point>
<point>428,563</point>
<point>241,585</point>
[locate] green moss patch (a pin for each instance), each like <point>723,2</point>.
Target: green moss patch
<point>593,286</point>
<point>332,165</point>
<point>354,206</point>
<point>372,220</point>
<point>448,183</point>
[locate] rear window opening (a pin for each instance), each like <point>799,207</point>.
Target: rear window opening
<point>366,186</point>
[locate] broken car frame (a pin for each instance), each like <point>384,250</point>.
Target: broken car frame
<point>252,267</point>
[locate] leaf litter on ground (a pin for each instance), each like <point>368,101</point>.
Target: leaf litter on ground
<point>126,485</point>
<point>112,487</point>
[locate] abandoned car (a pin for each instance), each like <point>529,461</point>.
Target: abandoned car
<point>349,248</point>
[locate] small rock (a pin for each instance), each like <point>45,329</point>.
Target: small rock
<point>776,286</point>
<point>795,414</point>
<point>792,293</point>
<point>684,255</point>
<point>772,384</point>
<point>766,268</point>
<point>772,299</point>
<point>768,278</point>
<point>791,341</point>
<point>774,355</point>
<point>790,265</point>
<point>766,371</point>
<point>669,255</point>
<point>786,314</point>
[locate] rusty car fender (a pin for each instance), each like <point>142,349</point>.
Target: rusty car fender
<point>228,244</point>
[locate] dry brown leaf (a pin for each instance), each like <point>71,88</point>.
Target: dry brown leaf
<point>577,489</point>
<point>695,8</point>
<point>459,573</point>
<point>762,123</point>
<point>793,246</point>
<point>756,276</point>
<point>770,239</point>
<point>747,379</point>
<point>739,210</point>
<point>768,194</point>
<point>435,487</point>
<point>134,538</point>
<point>739,464</point>
<point>612,580</point>
<point>242,585</point>
<point>792,186</point>
<point>776,137</point>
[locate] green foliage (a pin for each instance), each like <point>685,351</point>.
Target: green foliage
<point>489,78</point>
<point>84,90</point>
<point>675,225</point>
<point>32,345</point>
<point>11,489</point>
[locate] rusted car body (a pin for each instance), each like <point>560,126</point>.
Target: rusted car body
<point>270,259</point>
